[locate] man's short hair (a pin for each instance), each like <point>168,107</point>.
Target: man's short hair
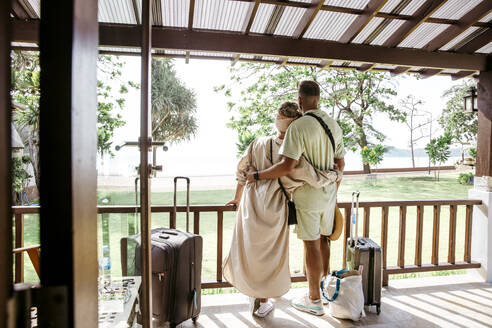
<point>309,89</point>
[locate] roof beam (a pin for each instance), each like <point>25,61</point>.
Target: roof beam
<point>113,35</point>
<point>19,11</point>
<point>250,16</point>
<point>462,74</point>
<point>366,67</point>
<point>425,74</point>
<point>400,70</point>
<point>283,62</point>
<point>307,18</point>
<point>135,12</point>
<point>191,14</point>
<point>325,64</point>
<point>236,59</point>
<point>425,11</point>
<point>473,16</point>
<point>362,20</point>
<point>476,43</point>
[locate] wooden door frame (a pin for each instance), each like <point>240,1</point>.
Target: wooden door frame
<point>6,277</point>
<point>68,152</point>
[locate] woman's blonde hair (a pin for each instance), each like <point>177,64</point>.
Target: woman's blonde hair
<point>289,109</point>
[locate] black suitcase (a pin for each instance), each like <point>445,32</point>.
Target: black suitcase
<point>176,275</point>
<point>366,253</point>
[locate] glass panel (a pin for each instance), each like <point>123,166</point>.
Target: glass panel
<point>118,185</point>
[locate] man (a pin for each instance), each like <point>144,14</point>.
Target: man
<point>315,207</point>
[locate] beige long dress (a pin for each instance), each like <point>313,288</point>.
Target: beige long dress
<point>258,262</point>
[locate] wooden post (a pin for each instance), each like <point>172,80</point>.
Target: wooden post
<point>6,276</point>
<point>220,230</point>
<point>346,226</point>
<point>419,235</point>
<point>196,223</point>
<point>384,234</point>
<point>68,151</point>
<point>484,139</point>
<point>401,236</point>
<point>19,243</point>
<point>367,216</point>
<point>435,235</point>
<point>145,147</point>
<point>452,234</point>
<point>468,233</point>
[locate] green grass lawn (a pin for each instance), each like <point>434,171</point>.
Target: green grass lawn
<point>386,188</point>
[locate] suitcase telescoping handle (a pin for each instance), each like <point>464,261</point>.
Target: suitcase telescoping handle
<point>354,222</point>
<point>187,200</point>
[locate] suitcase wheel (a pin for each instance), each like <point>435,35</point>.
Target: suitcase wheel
<point>194,319</point>
<point>378,309</point>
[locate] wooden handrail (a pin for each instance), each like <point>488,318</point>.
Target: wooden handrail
<point>452,264</point>
<point>215,208</point>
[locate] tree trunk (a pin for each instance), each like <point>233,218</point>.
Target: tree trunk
<point>154,160</point>
<point>363,143</point>
<point>413,156</point>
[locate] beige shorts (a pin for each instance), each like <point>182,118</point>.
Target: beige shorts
<point>315,209</point>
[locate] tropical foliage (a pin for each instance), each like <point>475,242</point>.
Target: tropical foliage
<point>438,150</point>
<point>353,98</point>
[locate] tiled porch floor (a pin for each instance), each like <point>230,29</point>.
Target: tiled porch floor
<point>450,301</point>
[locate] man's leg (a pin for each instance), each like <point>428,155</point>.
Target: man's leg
<point>313,267</point>
<point>325,255</point>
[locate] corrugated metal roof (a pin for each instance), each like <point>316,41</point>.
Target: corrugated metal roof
<point>220,14</point>
<point>119,12</point>
<point>459,38</point>
<point>329,25</point>
<point>486,49</point>
<point>247,56</point>
<point>486,18</point>
<point>387,32</point>
<point>423,35</point>
<point>175,52</point>
<point>455,9</point>
<point>356,4</point>
<point>211,54</point>
<point>305,61</point>
<point>36,5</point>
<point>450,71</point>
<point>289,20</point>
<point>262,17</point>
<point>175,13</point>
<point>410,9</point>
<point>120,49</point>
<point>385,67</point>
<point>368,29</point>
<point>337,63</point>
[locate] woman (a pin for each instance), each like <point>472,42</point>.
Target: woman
<point>258,262</point>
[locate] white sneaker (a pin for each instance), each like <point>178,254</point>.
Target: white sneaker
<point>324,300</point>
<point>264,309</point>
<point>305,304</point>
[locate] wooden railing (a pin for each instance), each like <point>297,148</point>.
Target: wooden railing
<point>366,207</point>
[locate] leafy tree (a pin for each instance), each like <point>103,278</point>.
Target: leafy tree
<point>462,126</point>
<point>438,150</point>
<point>351,97</point>
<point>20,176</point>
<point>416,120</point>
<point>26,93</point>
<point>173,105</point>
<point>374,155</point>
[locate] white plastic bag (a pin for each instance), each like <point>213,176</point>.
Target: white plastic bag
<point>345,296</point>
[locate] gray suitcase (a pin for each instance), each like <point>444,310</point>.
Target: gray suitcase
<point>366,253</point>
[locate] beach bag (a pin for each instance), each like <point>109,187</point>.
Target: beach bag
<point>343,289</point>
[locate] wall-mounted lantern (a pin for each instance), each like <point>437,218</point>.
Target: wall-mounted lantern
<point>471,100</point>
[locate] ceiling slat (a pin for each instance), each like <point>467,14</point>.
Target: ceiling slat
<point>472,17</point>
<point>250,16</point>
<point>362,20</point>
<point>191,14</point>
<point>307,18</point>
<point>425,11</point>
<point>476,43</point>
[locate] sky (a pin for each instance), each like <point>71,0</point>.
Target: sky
<point>213,150</point>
